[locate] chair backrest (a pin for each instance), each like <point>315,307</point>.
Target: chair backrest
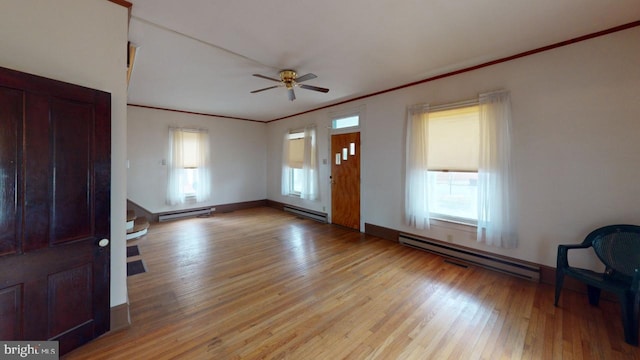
<point>618,247</point>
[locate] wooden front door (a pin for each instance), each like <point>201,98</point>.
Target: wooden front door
<point>345,180</point>
<point>55,172</point>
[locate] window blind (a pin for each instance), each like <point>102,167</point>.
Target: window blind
<point>296,153</point>
<point>190,144</point>
<point>453,139</point>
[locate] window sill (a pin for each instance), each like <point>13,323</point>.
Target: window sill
<point>190,199</point>
<point>456,224</point>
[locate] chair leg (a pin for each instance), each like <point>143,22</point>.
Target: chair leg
<point>559,281</point>
<point>594,295</point>
<point>629,312</point>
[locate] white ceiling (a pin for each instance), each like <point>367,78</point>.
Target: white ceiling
<point>199,55</point>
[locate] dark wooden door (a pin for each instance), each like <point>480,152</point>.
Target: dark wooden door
<point>345,180</point>
<point>54,210</point>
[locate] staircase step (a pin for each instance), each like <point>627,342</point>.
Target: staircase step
<point>140,224</point>
<point>131,215</point>
<point>140,227</point>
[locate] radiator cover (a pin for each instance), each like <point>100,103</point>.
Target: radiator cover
<point>313,215</point>
<point>183,214</point>
<point>507,266</point>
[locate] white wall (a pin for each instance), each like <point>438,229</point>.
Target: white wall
<point>575,144</point>
<point>82,42</point>
<point>238,157</point>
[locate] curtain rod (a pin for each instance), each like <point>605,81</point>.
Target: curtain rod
<point>188,129</point>
<point>302,129</point>
<point>453,105</point>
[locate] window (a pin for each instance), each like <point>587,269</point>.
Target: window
<point>296,161</point>
<point>458,167</point>
<point>345,122</point>
<point>300,165</point>
<point>188,166</point>
<point>453,145</point>
<point>191,162</point>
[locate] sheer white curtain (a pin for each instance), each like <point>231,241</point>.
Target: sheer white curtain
<point>188,149</point>
<point>286,169</point>
<point>496,208</point>
<point>416,181</point>
<point>202,181</point>
<point>175,166</point>
<point>310,165</point>
<point>309,174</point>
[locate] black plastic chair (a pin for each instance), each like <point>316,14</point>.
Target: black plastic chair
<point>618,247</point>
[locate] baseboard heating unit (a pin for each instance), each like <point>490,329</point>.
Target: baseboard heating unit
<point>184,214</point>
<point>508,266</point>
<point>310,214</point>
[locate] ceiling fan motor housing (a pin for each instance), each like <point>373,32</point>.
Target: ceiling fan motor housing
<point>288,77</point>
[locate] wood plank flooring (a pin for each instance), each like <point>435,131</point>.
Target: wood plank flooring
<point>263,284</point>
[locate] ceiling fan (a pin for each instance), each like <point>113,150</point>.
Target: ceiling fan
<point>289,79</point>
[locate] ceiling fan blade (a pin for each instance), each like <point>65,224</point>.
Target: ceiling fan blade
<point>266,77</point>
<point>302,78</point>
<point>292,95</point>
<point>267,88</point>
<point>315,88</point>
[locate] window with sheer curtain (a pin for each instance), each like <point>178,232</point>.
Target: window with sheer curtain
<point>300,164</point>
<point>458,167</point>
<point>188,166</point>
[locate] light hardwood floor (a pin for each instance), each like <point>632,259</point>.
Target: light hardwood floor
<point>263,284</point>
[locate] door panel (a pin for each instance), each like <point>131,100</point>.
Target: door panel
<point>71,125</point>
<point>37,172</point>
<point>345,180</point>
<point>54,208</point>
<point>11,313</point>
<point>11,116</point>
<point>70,292</point>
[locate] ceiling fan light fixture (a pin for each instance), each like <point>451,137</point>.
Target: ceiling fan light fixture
<point>287,75</point>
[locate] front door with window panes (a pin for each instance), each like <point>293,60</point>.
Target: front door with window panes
<point>345,171</point>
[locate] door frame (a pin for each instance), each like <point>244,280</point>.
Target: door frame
<point>359,111</point>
